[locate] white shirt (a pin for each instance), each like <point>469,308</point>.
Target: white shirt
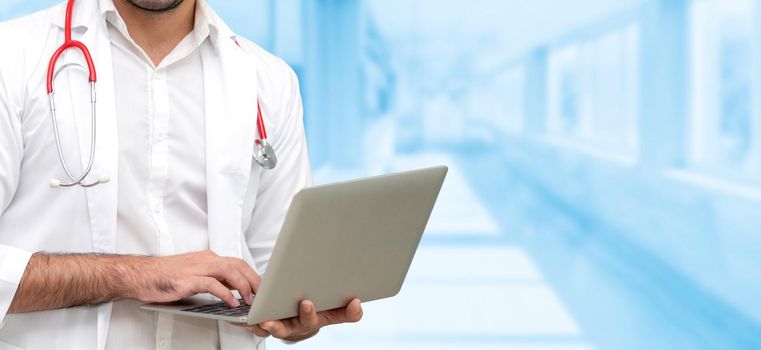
<point>246,205</point>
<point>162,207</point>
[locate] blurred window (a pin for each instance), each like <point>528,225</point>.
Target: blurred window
<point>498,102</point>
<point>593,91</point>
<point>565,91</point>
<point>512,83</point>
<point>725,132</point>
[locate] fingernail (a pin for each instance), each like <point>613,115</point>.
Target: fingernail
<point>236,303</point>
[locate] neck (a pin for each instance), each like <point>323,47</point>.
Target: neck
<point>157,33</point>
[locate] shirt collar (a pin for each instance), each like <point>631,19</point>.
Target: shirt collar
<point>203,25</point>
<point>208,22</point>
<point>83,13</point>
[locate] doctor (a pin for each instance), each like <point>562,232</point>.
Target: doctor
<point>181,206</point>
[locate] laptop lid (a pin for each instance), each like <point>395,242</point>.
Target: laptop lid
<point>347,240</point>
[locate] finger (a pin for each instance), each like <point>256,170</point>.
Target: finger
<point>240,284</point>
<point>245,269</point>
<point>350,313</point>
<point>354,311</point>
<point>260,332</point>
<point>277,329</point>
<point>228,273</point>
<point>308,316</point>
<point>215,288</point>
<point>254,329</point>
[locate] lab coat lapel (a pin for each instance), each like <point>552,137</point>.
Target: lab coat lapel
<point>231,91</point>
<point>230,103</point>
<point>102,200</point>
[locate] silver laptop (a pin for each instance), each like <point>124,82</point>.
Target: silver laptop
<point>341,241</point>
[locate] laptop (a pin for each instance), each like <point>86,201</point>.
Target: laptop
<point>341,241</point>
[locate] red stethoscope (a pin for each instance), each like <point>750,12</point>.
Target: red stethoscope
<point>263,153</point>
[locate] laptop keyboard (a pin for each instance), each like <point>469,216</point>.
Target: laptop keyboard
<point>221,309</point>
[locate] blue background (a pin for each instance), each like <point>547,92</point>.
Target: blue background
<point>605,184</point>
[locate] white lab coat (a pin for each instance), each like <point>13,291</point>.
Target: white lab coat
<point>246,204</point>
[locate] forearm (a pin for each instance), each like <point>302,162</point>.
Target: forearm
<point>53,281</point>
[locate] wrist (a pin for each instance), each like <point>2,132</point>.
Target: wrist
<point>133,273</point>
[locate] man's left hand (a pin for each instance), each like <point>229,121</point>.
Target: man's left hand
<point>308,322</point>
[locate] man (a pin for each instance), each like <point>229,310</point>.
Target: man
<point>187,209</point>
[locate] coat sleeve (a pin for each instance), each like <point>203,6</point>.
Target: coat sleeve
<point>278,186</point>
<point>13,261</point>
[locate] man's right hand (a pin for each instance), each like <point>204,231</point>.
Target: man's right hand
<point>54,281</point>
<point>171,278</point>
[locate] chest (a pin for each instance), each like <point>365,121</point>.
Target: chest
<point>212,131</point>
<point>161,115</point>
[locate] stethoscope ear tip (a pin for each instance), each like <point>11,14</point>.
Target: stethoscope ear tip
<point>54,183</point>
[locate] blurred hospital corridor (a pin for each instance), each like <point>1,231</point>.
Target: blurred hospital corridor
<point>505,267</point>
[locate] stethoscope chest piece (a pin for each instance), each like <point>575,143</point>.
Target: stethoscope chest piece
<point>265,154</point>
<point>263,151</point>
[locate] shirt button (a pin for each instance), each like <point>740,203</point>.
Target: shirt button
<point>157,209</point>
<point>163,344</point>
<point>161,136</point>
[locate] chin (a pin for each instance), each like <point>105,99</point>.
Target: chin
<point>156,5</point>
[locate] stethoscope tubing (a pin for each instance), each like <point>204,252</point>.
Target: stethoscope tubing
<point>52,73</point>
<point>69,43</point>
<point>75,180</point>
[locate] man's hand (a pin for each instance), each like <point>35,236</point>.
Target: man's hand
<point>175,277</point>
<point>308,323</point>
<point>55,281</point>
